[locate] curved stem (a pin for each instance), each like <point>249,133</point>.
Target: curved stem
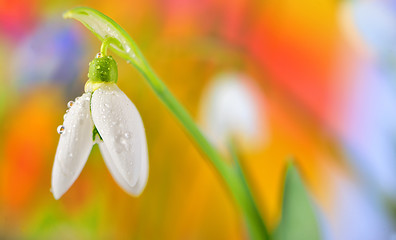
<point>234,182</point>
<point>105,44</point>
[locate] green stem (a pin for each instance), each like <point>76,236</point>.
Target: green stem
<point>256,216</point>
<point>105,44</point>
<point>232,180</point>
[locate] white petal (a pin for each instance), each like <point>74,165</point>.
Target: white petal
<point>74,146</point>
<point>143,174</point>
<point>119,124</point>
<point>232,108</point>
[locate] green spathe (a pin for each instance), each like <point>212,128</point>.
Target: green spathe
<point>103,69</point>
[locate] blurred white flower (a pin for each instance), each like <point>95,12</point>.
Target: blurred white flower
<point>232,108</point>
<point>103,115</point>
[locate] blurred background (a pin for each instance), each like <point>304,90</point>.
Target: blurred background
<point>316,79</point>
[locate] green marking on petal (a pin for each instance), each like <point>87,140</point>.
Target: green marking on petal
<point>94,133</point>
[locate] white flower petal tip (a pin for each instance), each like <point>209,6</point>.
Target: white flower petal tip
<point>74,145</point>
<point>120,180</point>
<point>233,108</point>
<point>121,128</point>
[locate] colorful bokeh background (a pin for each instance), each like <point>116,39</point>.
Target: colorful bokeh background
<point>325,74</point>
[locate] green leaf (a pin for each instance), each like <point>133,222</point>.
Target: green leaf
<point>104,27</point>
<point>298,220</point>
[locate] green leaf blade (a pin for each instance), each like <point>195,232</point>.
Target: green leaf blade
<point>299,221</point>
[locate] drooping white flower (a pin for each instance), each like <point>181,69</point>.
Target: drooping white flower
<point>102,115</point>
<point>232,108</point>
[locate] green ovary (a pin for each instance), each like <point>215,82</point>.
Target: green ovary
<point>103,69</point>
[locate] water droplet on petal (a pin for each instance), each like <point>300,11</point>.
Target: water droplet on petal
<point>127,135</point>
<point>107,105</point>
<point>60,129</point>
<point>99,55</point>
<point>70,104</point>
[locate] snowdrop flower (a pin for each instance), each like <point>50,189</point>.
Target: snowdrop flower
<point>102,115</point>
<point>232,108</point>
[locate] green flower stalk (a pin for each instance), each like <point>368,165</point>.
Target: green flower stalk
<point>118,41</point>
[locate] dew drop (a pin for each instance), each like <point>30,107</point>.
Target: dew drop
<point>67,110</point>
<point>127,135</point>
<point>70,104</point>
<point>64,116</point>
<point>99,55</point>
<point>107,105</point>
<point>60,129</point>
<point>98,67</point>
